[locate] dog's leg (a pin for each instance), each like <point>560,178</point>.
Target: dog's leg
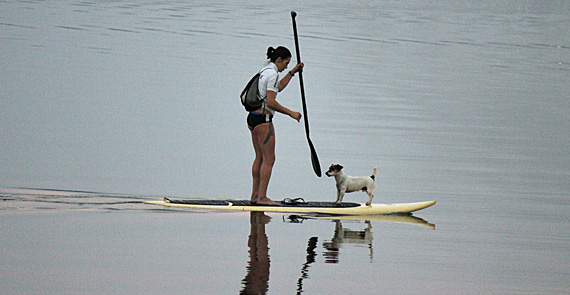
<point>340,196</point>
<point>370,195</point>
<point>337,197</point>
<point>342,192</point>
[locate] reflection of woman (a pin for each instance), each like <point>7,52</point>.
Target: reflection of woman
<point>260,121</point>
<point>257,279</point>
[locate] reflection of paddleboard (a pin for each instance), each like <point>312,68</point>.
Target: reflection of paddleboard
<point>393,218</point>
<point>298,207</point>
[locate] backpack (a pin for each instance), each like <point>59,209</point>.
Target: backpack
<point>250,93</point>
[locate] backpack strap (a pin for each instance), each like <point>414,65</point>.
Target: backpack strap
<point>264,100</point>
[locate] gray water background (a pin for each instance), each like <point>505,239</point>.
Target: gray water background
<point>465,103</point>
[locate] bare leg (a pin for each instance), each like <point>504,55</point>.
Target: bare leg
<point>255,168</point>
<point>264,140</point>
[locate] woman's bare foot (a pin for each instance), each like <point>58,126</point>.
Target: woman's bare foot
<point>265,201</point>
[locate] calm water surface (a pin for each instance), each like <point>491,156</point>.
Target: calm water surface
<point>465,103</point>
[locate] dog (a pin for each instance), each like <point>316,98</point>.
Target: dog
<point>348,184</point>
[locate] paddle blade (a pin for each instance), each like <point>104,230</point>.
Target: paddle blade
<point>315,159</point>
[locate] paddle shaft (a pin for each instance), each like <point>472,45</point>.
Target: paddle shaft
<point>302,85</point>
<point>314,157</point>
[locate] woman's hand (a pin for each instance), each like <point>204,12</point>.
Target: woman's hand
<point>296,115</point>
<point>298,68</point>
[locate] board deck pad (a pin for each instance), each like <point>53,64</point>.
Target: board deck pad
<point>248,203</point>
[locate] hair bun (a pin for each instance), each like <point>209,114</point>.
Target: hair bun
<point>280,52</point>
<point>270,52</point>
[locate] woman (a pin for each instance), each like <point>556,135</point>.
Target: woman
<point>260,121</point>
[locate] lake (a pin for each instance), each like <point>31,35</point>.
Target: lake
<point>107,104</point>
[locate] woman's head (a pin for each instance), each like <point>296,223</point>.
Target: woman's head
<point>280,52</point>
<point>280,56</point>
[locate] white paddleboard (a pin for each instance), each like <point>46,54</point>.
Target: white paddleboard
<point>308,207</point>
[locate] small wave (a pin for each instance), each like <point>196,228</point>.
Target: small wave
<point>17,25</point>
<point>123,30</point>
<point>71,28</point>
<point>26,199</point>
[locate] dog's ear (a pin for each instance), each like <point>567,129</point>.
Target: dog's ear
<point>338,167</point>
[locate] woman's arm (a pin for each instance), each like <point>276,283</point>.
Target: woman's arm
<point>272,103</point>
<point>283,83</point>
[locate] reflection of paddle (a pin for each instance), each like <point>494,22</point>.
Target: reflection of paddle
<point>310,259</point>
<point>314,158</point>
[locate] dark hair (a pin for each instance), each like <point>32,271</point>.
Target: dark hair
<point>280,52</point>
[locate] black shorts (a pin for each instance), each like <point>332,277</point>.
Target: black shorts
<point>254,119</point>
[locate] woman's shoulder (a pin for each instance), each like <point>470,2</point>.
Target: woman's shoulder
<point>269,70</point>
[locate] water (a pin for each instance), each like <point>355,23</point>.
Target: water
<point>465,103</point>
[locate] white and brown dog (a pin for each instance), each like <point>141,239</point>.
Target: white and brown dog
<point>348,184</point>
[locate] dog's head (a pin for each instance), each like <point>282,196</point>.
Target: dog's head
<point>333,170</point>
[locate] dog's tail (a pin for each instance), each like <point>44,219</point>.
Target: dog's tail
<point>373,176</point>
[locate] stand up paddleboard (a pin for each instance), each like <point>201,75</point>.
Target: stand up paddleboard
<point>297,206</point>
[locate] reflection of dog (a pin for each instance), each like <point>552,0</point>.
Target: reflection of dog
<point>348,184</point>
<point>347,236</point>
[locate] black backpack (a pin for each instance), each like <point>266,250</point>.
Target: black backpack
<point>250,93</point>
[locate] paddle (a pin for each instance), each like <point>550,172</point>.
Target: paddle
<point>314,158</point>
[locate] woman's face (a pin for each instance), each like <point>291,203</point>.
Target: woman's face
<point>282,63</point>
